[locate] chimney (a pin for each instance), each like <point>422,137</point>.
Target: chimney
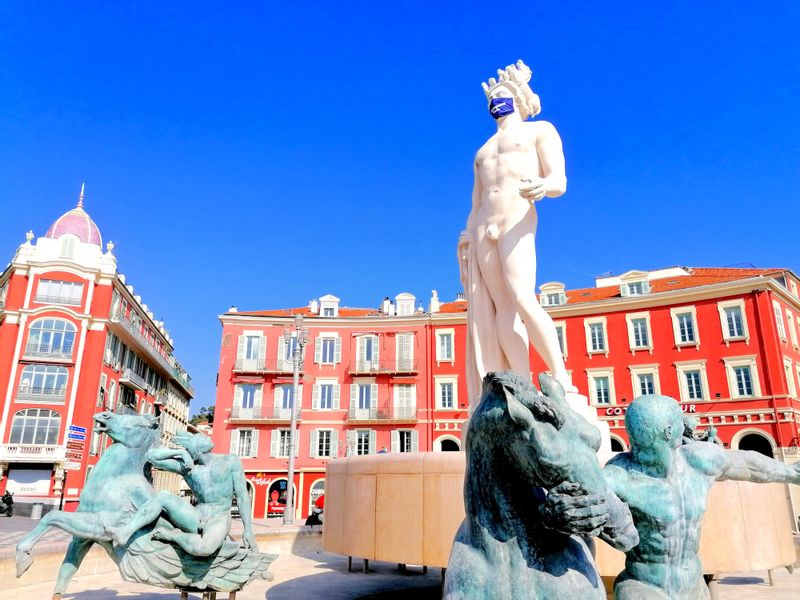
<point>460,297</point>
<point>386,306</point>
<point>435,304</point>
<point>233,309</point>
<point>313,306</point>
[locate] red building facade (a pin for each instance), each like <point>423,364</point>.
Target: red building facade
<point>75,340</point>
<point>723,342</point>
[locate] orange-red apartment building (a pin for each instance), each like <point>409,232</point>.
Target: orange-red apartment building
<point>75,340</point>
<point>721,341</point>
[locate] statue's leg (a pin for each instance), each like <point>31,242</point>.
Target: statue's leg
<point>82,525</point>
<point>517,252</point>
<point>75,554</point>
<point>214,534</point>
<point>513,342</point>
<point>180,512</point>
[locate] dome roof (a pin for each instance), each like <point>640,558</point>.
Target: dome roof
<point>78,223</point>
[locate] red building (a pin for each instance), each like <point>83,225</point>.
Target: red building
<point>75,340</point>
<point>724,342</point>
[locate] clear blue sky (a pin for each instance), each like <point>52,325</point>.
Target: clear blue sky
<point>264,153</point>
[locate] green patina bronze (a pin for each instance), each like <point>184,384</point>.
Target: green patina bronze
<point>665,480</point>
<point>534,494</point>
<point>158,538</point>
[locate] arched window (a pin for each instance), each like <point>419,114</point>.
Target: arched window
<point>616,445</point>
<point>756,443</point>
<point>35,426</point>
<point>51,338</point>
<point>43,383</point>
<point>450,446</point>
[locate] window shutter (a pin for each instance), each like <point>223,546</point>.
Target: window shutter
<point>254,446</point>
<point>281,352</point>
<point>257,400</point>
<point>336,393</point>
<point>262,351</point>
<point>240,346</point>
<point>235,442</point>
<point>318,350</point>
<point>373,395</point>
<point>275,436</point>
<point>362,348</point>
<point>315,394</point>
<point>375,350</point>
<point>314,450</point>
<point>237,396</point>
<point>395,441</point>
<point>338,350</point>
<point>373,438</point>
<point>415,441</point>
<point>351,443</point>
<point>277,400</point>
<point>353,396</point>
<point>334,443</point>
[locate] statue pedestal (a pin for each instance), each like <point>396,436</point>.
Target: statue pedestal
<point>580,404</point>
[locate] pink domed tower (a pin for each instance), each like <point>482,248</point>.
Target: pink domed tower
<point>76,222</point>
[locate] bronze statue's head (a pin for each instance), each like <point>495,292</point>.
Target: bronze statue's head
<point>195,443</point>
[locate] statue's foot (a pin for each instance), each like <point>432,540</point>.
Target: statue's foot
<point>24,562</point>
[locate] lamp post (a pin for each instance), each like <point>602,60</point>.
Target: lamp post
<point>301,335</point>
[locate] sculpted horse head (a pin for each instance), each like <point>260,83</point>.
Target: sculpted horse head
<point>133,431</point>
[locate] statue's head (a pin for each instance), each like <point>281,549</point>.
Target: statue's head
<point>134,431</point>
<point>655,427</point>
<point>513,83</point>
<point>195,443</point>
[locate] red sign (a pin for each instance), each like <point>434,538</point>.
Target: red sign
<point>74,455</point>
<point>72,445</point>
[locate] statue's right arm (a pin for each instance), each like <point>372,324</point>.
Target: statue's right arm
<point>620,531</point>
<point>739,465</point>
<point>174,460</point>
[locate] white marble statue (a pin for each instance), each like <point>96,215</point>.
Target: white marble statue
<point>519,165</point>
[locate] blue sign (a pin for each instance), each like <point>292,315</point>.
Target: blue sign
<point>76,436</point>
<point>78,429</point>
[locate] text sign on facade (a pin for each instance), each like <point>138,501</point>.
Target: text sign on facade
<point>615,411</point>
<point>72,455</point>
<point>74,445</point>
<point>72,466</point>
<point>76,436</point>
<point>77,428</point>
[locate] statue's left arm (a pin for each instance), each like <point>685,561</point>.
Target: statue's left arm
<point>739,465</point>
<point>553,182</point>
<point>243,502</point>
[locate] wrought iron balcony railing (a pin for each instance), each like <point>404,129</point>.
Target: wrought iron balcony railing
<point>131,377</point>
<point>41,394</point>
<point>57,299</point>
<point>40,350</point>
<point>397,413</point>
<point>260,365</point>
<point>269,413</point>
<point>389,366</point>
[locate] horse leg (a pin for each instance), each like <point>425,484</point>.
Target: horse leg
<point>82,525</point>
<point>75,554</point>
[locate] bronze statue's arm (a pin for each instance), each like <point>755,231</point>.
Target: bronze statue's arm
<point>739,465</point>
<point>174,460</point>
<point>243,502</point>
<point>551,158</point>
<point>620,531</point>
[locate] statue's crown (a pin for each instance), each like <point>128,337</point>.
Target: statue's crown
<point>512,76</point>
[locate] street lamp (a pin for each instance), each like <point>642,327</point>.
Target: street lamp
<point>301,336</point>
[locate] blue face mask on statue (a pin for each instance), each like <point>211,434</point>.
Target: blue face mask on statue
<point>500,107</point>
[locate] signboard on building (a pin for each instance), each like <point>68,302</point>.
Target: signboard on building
<point>615,411</point>
<point>76,436</point>
<point>77,429</point>
<point>74,445</point>
<point>72,466</point>
<point>73,455</point>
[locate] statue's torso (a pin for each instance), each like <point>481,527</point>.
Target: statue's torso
<point>212,483</point>
<point>506,158</point>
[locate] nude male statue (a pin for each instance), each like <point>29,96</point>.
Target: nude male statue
<point>214,479</point>
<point>519,165</point>
<point>665,481</point>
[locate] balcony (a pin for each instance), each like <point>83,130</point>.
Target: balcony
<point>41,394</point>
<point>395,366</point>
<point>383,415</point>
<point>132,379</point>
<point>256,365</point>
<point>124,409</point>
<point>57,299</point>
<point>263,414</point>
<point>47,352</point>
<point>141,340</point>
<point>32,452</point>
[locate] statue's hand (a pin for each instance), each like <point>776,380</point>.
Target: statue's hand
<point>571,510</point>
<point>533,189</point>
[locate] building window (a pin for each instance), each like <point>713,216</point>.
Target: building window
<point>792,328</point>
<point>405,351</point>
<point>694,385</point>
<point>647,384</point>
<point>326,396</point>
<point>742,374</point>
<point>732,317</point>
<point>37,426</point>
<point>596,336</point>
<point>363,399</point>
<point>446,392</point>
<point>284,400</point>
<point>684,326</point>
<point>328,311</point>
<point>323,443</point>
<point>405,440</point>
<point>561,333</point>
<point>244,442</point>
<point>779,320</point>
<point>51,338</point>
<point>364,443</point>
<point>248,394</point>
<point>444,345</point>
<point>790,384</point>
<point>67,246</point>
<point>635,288</point>
<point>43,383</point>
<point>601,386</point>
<point>328,349</point>
<point>644,380</point>
<point>692,380</point>
<point>51,291</point>
<point>405,401</point>
<point>639,331</point>
<point>367,353</point>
